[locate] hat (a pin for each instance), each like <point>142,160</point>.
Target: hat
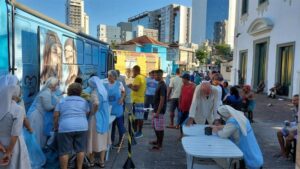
<point>186,76</point>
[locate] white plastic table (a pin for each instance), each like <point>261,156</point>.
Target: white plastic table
<point>212,147</point>
<point>194,130</point>
<point>111,119</point>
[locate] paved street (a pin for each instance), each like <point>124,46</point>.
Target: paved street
<point>173,156</point>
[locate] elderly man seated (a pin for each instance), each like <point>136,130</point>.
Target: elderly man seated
<point>287,134</point>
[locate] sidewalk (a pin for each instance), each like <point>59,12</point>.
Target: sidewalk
<point>173,156</point>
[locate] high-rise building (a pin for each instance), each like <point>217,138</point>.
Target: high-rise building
<point>205,14</point>
<point>173,23</point>
<point>126,31</point>
<point>76,17</point>
<point>221,32</point>
<point>109,34</point>
<point>86,27</point>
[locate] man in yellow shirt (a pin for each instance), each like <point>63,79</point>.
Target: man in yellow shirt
<point>138,88</point>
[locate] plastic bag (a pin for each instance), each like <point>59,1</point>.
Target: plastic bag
<point>36,155</point>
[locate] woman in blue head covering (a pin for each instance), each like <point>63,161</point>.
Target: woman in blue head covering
<point>239,130</point>
<point>42,107</point>
<point>98,135</point>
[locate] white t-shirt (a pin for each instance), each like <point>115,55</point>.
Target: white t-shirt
<point>175,84</point>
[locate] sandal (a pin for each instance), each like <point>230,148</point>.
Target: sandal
<point>101,165</point>
<point>155,149</point>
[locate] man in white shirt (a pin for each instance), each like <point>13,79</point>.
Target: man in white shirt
<point>173,95</point>
<point>204,104</point>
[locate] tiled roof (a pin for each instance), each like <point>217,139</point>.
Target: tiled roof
<point>142,40</point>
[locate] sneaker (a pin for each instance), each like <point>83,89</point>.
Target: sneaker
<point>138,135</point>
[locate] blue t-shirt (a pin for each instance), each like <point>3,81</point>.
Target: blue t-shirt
<point>151,85</point>
<point>72,110</point>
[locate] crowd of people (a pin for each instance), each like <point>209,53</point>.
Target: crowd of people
<point>79,121</point>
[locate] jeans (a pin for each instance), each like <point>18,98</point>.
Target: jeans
<point>119,122</point>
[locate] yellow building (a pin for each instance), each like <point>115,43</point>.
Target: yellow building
<point>128,59</point>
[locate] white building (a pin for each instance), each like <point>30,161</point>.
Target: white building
<point>173,23</point>
<point>86,26</point>
<point>140,30</point>
<point>206,13</point>
<point>76,17</point>
<point>109,34</point>
<point>267,44</point>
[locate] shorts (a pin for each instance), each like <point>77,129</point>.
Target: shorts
<point>72,142</point>
<point>149,100</point>
<point>183,118</point>
<point>174,103</point>
<point>139,111</point>
<point>158,123</point>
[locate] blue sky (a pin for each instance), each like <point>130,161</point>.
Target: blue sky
<point>101,11</point>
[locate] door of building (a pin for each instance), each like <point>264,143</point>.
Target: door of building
<point>285,68</point>
<point>243,67</point>
<point>260,63</point>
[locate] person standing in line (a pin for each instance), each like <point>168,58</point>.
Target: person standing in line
<point>128,101</point>
<point>98,134</point>
<point>116,96</point>
<point>204,104</point>
<point>138,88</point>
<point>151,85</point>
<point>70,120</point>
<point>248,102</point>
<point>13,150</point>
<point>160,106</point>
<point>44,102</point>
<point>185,99</point>
<point>173,94</point>
<point>216,81</point>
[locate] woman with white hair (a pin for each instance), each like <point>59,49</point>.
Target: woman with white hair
<point>98,134</point>
<point>116,96</point>
<point>44,103</point>
<point>13,150</point>
<point>238,128</point>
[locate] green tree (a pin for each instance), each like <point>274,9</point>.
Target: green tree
<point>224,51</point>
<point>202,55</point>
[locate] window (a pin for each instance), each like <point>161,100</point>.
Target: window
<point>95,55</point>
<point>79,44</point>
<point>245,7</point>
<point>88,54</point>
<point>261,1</point>
<point>155,50</point>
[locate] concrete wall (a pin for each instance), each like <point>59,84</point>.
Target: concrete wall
<point>285,17</point>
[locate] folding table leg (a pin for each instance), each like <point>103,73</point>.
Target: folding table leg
<point>229,162</point>
<point>189,161</point>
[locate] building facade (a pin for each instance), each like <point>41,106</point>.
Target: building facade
<point>267,44</point>
<point>76,17</point>
<point>109,34</point>
<point>140,30</point>
<point>149,45</point>
<point>126,31</point>
<point>221,32</point>
<point>205,14</point>
<point>173,23</point>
